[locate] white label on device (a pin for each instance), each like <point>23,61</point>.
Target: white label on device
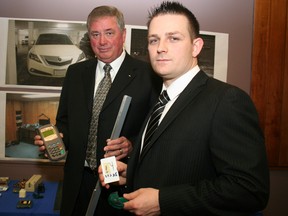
<point>109,169</point>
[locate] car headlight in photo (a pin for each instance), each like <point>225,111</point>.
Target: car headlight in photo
<point>52,54</point>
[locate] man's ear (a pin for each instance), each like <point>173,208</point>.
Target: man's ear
<point>124,35</point>
<point>197,46</point>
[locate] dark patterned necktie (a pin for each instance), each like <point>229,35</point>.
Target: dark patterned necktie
<point>99,99</point>
<point>155,117</point>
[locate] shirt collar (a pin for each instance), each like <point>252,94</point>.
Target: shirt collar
<point>116,64</point>
<point>180,83</point>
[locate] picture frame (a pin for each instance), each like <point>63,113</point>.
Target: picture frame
<point>38,52</point>
<point>213,58</point>
<point>22,33</point>
<point>24,112</point>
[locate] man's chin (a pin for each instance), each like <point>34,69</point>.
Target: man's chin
<point>105,58</point>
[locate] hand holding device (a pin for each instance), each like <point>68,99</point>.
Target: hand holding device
<point>115,134</point>
<point>53,142</point>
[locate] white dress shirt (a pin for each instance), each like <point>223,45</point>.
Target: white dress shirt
<point>174,91</point>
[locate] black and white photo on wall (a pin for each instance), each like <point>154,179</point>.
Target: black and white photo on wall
<point>213,58</point>
<point>206,58</point>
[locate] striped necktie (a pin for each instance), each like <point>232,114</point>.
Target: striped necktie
<point>155,117</point>
<point>99,99</point>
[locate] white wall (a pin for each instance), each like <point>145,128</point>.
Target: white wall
<point>228,16</point>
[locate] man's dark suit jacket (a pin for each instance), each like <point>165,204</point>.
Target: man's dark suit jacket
<point>135,79</point>
<point>207,156</point>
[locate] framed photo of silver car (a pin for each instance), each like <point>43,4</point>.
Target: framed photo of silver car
<point>38,52</point>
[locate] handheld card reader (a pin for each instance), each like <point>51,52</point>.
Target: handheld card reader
<point>53,142</point>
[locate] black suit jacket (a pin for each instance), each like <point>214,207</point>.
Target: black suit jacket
<point>207,156</point>
<point>135,79</point>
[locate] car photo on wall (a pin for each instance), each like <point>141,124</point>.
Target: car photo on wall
<point>51,55</point>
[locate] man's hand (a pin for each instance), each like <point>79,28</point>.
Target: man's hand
<point>144,201</point>
<point>121,167</point>
<point>119,148</point>
<point>39,142</point>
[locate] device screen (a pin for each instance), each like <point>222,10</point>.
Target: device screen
<point>48,133</point>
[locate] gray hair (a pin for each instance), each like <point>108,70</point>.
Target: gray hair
<point>103,11</point>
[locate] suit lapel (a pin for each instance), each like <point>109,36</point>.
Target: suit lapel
<point>126,73</point>
<point>189,93</point>
<point>88,80</point>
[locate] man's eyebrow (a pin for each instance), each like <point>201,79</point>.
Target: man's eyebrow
<point>172,33</point>
<point>110,29</point>
<point>167,34</point>
<point>153,35</point>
